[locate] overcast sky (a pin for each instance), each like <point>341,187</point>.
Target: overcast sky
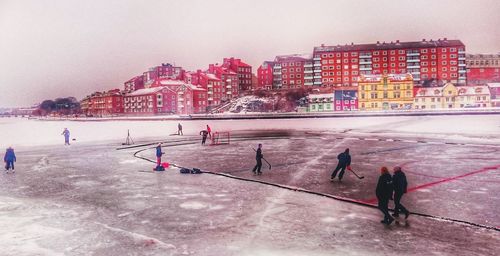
<point>52,49</point>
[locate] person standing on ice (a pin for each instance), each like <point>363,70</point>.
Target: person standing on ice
<point>258,157</point>
<point>9,159</point>
<point>179,129</point>
<point>209,131</point>
<point>158,155</point>
<point>66,136</point>
<point>344,162</point>
<point>384,192</point>
<point>400,187</point>
<point>204,135</point>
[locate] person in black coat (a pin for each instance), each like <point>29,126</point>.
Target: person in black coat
<point>258,157</point>
<point>179,129</point>
<point>204,135</point>
<point>400,187</point>
<point>344,162</point>
<point>384,193</point>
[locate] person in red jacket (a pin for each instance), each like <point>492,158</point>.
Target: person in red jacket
<point>209,131</point>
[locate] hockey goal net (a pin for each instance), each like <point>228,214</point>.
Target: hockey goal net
<point>220,138</point>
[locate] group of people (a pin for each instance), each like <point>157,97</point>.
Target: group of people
<point>207,133</point>
<point>391,187</point>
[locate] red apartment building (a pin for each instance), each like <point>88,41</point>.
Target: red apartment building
<point>191,99</point>
<point>265,75</point>
<point>154,100</point>
<point>229,82</point>
<point>243,70</point>
<point>341,65</point>
<point>103,103</point>
<point>483,68</point>
<point>166,70</point>
<point>133,84</point>
<point>292,71</point>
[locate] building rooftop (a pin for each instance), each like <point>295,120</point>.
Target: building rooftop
<point>147,91</point>
<point>293,57</point>
<point>389,46</point>
<point>390,77</point>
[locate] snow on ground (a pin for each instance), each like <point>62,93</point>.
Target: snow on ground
<point>245,104</point>
<point>480,128</point>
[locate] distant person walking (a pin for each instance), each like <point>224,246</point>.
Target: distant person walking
<point>400,187</point>
<point>204,135</point>
<point>344,162</point>
<point>258,158</point>
<point>66,136</point>
<point>384,192</point>
<point>179,129</point>
<point>209,131</point>
<point>9,159</point>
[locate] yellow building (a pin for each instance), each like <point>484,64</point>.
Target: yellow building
<point>385,92</point>
<point>450,96</point>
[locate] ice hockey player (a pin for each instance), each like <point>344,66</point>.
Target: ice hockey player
<point>344,162</point>
<point>179,129</point>
<point>258,157</point>
<point>384,192</point>
<point>209,131</point>
<point>400,186</point>
<point>9,159</point>
<point>204,135</point>
<point>66,136</point>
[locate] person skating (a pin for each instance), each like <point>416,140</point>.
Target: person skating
<point>344,162</point>
<point>204,135</point>
<point>179,129</point>
<point>258,157</point>
<point>400,185</point>
<point>9,159</point>
<point>158,156</point>
<point>384,192</point>
<point>66,136</point>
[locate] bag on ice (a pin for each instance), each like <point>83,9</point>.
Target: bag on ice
<point>185,170</point>
<point>196,171</point>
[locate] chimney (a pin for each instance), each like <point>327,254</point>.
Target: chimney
<point>423,40</point>
<point>378,42</point>
<point>352,43</point>
<point>322,45</point>
<point>445,39</point>
<point>397,41</point>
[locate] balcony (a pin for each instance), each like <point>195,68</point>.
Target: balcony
<point>364,56</point>
<point>277,73</point>
<point>365,68</point>
<point>228,86</point>
<point>361,62</point>
<point>412,54</point>
<point>415,72</point>
<point>308,71</point>
<point>413,60</point>
<point>228,92</point>
<point>308,65</point>
<point>317,58</point>
<point>317,83</point>
<point>210,92</point>
<point>309,77</point>
<point>462,64</point>
<point>462,71</point>
<point>317,77</point>
<point>317,64</point>
<point>210,85</point>
<point>210,98</point>
<point>181,92</point>
<point>413,65</point>
<point>308,84</point>
<point>181,99</point>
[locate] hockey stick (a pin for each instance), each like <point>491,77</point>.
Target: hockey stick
<point>355,174</point>
<point>264,160</point>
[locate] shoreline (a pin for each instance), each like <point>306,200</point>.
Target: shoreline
<point>288,115</point>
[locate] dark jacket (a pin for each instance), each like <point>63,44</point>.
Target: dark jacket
<point>384,187</point>
<point>400,183</point>
<point>9,155</point>
<point>204,133</point>
<point>179,126</point>
<point>344,159</point>
<point>158,151</point>
<point>259,154</point>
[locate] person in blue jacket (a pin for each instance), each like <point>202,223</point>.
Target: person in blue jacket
<point>66,136</point>
<point>158,155</point>
<point>9,159</point>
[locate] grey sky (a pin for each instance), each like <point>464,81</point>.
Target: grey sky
<point>50,49</point>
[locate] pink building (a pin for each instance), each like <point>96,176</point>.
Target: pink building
<point>133,84</point>
<point>265,75</point>
<point>166,70</point>
<point>243,70</point>
<point>229,81</point>
<point>155,100</point>
<point>191,99</point>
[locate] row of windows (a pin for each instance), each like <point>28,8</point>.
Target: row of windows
<point>391,52</point>
<point>291,70</point>
<point>291,64</point>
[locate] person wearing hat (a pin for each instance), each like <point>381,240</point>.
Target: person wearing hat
<point>384,193</point>
<point>9,159</point>
<point>258,157</point>
<point>344,162</point>
<point>400,187</point>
